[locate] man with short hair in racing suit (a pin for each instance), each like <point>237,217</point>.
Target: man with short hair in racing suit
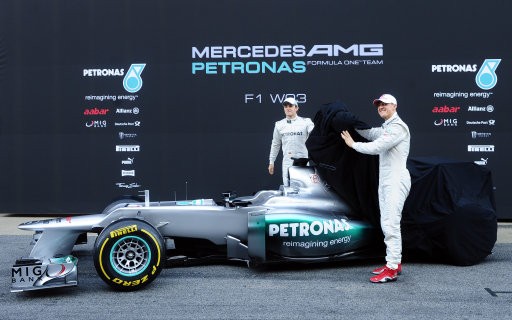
<point>291,134</point>
<point>391,142</point>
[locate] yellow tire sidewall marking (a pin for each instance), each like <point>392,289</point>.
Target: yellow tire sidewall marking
<point>106,241</point>
<point>101,258</point>
<point>156,243</point>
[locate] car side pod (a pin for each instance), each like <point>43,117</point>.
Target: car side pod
<point>34,274</point>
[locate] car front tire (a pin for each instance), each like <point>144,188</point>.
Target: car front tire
<point>129,254</point>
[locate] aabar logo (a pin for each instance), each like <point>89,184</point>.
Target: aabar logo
<point>445,109</point>
<point>95,112</point>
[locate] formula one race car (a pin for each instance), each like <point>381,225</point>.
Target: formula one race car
<point>329,212</point>
<point>303,222</point>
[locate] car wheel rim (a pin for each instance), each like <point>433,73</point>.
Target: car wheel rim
<point>130,256</point>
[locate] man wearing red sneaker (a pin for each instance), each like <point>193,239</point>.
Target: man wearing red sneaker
<point>391,142</point>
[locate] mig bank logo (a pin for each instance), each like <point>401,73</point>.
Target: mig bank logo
<point>132,81</point>
<point>486,77</point>
<point>445,122</point>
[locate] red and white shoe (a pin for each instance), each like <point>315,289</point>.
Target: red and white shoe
<point>386,275</point>
<point>379,270</point>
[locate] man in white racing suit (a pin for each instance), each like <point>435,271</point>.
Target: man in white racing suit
<point>391,142</point>
<point>291,134</point>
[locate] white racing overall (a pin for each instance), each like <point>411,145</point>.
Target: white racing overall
<point>291,135</point>
<point>391,142</point>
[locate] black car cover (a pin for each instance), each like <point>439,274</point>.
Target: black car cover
<point>352,175</point>
<point>450,213</point>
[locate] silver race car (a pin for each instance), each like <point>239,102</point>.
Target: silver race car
<point>303,222</point>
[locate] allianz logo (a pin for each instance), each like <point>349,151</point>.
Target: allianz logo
<point>489,108</point>
<point>134,110</point>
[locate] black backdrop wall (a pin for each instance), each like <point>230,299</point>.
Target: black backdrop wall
<point>104,98</point>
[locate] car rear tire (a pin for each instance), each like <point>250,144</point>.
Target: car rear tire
<point>129,254</point>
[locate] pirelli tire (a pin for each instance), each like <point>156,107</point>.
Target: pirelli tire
<point>129,254</point>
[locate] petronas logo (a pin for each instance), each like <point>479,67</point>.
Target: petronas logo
<point>486,77</point>
<point>132,81</point>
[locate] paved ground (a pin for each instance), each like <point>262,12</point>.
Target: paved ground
<point>232,291</point>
